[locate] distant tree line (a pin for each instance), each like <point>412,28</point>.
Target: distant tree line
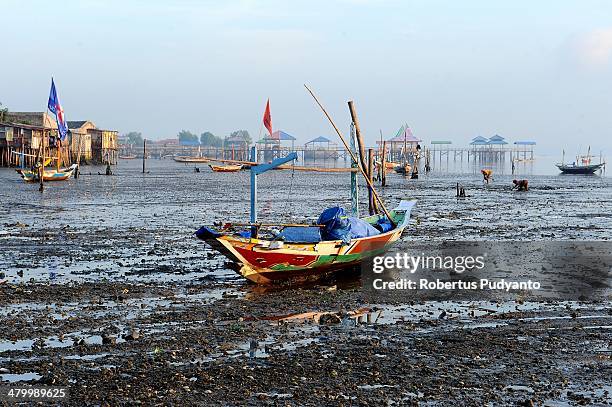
<point>3,112</point>
<point>134,137</point>
<point>210,140</point>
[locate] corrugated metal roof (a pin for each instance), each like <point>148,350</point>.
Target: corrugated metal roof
<point>76,124</point>
<point>404,134</point>
<point>281,135</point>
<point>496,137</point>
<point>320,139</point>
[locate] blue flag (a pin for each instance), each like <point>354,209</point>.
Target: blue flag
<point>55,107</point>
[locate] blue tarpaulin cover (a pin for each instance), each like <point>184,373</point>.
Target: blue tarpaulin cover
<point>295,234</point>
<point>338,226</point>
<point>384,225</point>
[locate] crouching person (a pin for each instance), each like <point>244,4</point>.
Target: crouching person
<point>487,175</point>
<point>521,184</point>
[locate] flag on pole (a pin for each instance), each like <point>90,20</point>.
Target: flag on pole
<point>55,107</point>
<point>267,118</point>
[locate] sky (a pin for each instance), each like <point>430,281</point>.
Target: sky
<point>452,70</point>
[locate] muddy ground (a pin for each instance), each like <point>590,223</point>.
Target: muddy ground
<point>104,289</point>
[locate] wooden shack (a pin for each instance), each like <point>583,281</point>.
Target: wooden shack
<point>80,139</point>
<point>23,139</point>
<point>104,146</point>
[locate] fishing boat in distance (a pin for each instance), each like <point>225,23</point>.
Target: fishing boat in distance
<point>582,165</point>
<point>127,157</point>
<point>61,174</point>
<point>184,159</point>
<point>225,168</point>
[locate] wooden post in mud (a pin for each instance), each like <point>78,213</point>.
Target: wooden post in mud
<point>144,154</point>
<point>348,150</point>
<point>373,207</point>
<point>78,160</point>
<point>360,143</point>
<point>367,168</point>
<point>41,173</point>
<point>383,165</point>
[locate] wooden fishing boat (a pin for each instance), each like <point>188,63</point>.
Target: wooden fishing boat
<point>266,261</point>
<point>579,169</point>
<point>48,175</point>
<point>182,159</point>
<point>389,165</point>
<point>582,165</point>
<point>403,169</point>
<point>127,157</point>
<point>225,168</point>
<point>304,252</point>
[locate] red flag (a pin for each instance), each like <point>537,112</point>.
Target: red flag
<point>267,118</point>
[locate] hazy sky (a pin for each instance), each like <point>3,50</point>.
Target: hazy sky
<point>451,69</point>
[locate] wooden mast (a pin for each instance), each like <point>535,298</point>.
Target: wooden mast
<point>346,146</point>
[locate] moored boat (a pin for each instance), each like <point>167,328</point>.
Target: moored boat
<point>403,169</point>
<point>183,159</point>
<point>301,252</point>
<point>48,175</point>
<point>296,253</point>
<point>579,169</point>
<point>225,168</point>
<point>582,165</point>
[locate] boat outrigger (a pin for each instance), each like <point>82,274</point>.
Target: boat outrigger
<point>299,252</point>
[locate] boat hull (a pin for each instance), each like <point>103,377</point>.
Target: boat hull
<point>263,262</point>
<point>579,169</point>
<point>191,159</point>
<point>403,169</point>
<point>48,175</point>
<point>225,168</point>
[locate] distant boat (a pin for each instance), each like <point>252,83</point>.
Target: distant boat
<point>181,159</point>
<point>579,169</point>
<point>389,165</point>
<point>225,168</point>
<point>403,169</point>
<point>582,165</point>
<point>127,157</point>
<point>48,175</point>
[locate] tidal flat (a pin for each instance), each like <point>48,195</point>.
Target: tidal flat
<point>104,289</point>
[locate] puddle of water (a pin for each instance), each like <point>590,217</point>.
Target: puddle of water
<point>19,377</point>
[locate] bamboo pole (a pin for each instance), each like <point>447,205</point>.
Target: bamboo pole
<point>144,154</point>
<point>41,173</point>
<point>346,146</point>
<point>372,202</point>
<point>78,158</point>
<point>383,179</point>
<point>360,143</point>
